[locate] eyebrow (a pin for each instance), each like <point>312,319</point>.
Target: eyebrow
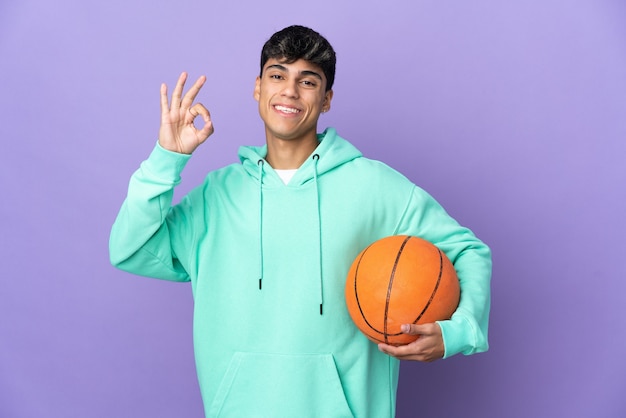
<point>305,72</point>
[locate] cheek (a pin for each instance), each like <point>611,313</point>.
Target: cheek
<point>263,95</point>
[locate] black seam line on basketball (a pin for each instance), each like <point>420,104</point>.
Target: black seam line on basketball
<point>356,293</point>
<point>432,295</point>
<point>390,285</point>
<point>376,339</point>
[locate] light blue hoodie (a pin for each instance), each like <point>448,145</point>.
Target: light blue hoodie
<point>267,264</point>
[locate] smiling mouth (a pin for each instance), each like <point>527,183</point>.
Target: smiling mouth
<point>285,109</point>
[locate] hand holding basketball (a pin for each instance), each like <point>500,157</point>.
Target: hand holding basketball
<point>178,132</point>
<point>428,347</point>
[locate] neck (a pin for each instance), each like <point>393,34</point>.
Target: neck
<point>290,154</point>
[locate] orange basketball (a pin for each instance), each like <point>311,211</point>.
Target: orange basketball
<point>400,280</point>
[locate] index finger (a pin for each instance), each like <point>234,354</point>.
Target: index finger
<point>193,92</point>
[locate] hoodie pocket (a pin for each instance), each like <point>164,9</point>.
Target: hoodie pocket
<point>280,385</point>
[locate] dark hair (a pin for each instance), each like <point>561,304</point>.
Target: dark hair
<point>299,42</point>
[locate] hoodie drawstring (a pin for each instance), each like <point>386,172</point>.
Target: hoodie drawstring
<point>260,164</point>
<point>316,158</point>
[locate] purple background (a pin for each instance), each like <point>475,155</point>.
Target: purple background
<point>512,114</point>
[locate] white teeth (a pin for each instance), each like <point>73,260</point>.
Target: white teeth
<point>286,109</point>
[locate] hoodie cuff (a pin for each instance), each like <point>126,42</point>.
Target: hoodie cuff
<point>166,165</point>
<point>457,336</point>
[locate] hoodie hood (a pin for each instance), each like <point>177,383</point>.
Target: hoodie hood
<point>332,152</point>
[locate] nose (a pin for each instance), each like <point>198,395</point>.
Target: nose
<point>290,89</point>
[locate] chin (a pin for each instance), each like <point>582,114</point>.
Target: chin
<point>286,134</point>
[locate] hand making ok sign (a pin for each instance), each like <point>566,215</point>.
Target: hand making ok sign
<point>178,132</point>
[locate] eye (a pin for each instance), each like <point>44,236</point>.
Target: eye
<point>276,76</point>
<point>308,83</point>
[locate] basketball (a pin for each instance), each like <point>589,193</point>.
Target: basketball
<point>400,280</point>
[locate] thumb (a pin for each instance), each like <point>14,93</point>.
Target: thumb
<point>415,329</point>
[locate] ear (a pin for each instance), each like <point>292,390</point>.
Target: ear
<point>257,89</point>
<point>328,97</point>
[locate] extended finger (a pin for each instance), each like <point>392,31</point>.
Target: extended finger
<point>193,92</point>
<point>165,107</point>
<point>178,90</point>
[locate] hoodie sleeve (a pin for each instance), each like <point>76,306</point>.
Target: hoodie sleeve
<point>466,331</point>
<point>141,237</point>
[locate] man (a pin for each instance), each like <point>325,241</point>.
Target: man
<point>267,244</point>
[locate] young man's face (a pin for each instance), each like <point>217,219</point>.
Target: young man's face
<point>291,98</point>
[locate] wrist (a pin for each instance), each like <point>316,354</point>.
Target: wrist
<point>165,163</point>
<point>173,147</point>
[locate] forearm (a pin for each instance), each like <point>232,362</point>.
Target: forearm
<point>140,240</point>
<point>466,331</point>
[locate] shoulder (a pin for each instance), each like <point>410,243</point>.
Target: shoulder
<point>377,170</point>
<point>227,179</point>
<point>226,176</point>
